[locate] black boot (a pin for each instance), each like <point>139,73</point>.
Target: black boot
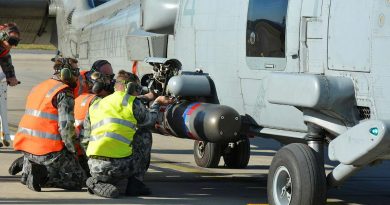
<point>5,142</point>
<point>37,177</point>
<point>16,166</point>
<point>102,189</point>
<point>32,179</point>
<point>83,161</point>
<point>23,179</point>
<point>136,188</point>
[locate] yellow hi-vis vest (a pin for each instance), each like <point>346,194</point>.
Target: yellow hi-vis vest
<point>112,126</point>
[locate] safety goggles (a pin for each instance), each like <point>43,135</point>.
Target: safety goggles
<point>111,77</point>
<point>98,75</point>
<point>13,41</point>
<point>75,71</point>
<point>124,82</point>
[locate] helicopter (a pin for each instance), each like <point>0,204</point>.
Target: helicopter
<point>308,73</point>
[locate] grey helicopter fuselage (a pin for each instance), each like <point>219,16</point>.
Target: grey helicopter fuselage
<point>308,71</point>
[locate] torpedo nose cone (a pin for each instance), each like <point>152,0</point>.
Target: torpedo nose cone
<point>221,123</point>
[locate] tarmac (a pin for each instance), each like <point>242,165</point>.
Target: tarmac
<point>173,175</point>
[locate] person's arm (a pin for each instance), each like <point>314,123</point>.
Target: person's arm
<point>85,134</point>
<point>146,118</point>
<point>65,105</point>
<point>8,69</point>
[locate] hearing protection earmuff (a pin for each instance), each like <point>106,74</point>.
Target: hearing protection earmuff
<point>100,83</point>
<point>65,72</point>
<point>132,87</point>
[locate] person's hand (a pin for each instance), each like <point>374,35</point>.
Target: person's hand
<point>164,100</point>
<point>150,96</point>
<point>12,81</point>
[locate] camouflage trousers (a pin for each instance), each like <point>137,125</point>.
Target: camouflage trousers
<point>117,171</point>
<point>142,148</point>
<point>64,171</point>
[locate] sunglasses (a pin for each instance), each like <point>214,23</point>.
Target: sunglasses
<point>75,71</point>
<point>13,41</point>
<point>97,75</point>
<point>111,77</point>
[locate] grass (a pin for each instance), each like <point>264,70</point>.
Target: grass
<point>36,46</point>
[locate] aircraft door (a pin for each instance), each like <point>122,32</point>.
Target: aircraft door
<point>271,44</point>
<point>350,35</point>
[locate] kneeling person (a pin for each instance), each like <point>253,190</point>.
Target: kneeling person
<point>114,124</point>
<point>46,133</point>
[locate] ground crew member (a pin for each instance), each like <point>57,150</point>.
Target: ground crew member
<point>102,66</point>
<point>82,84</point>
<point>100,84</point>
<point>9,38</point>
<point>116,124</point>
<point>46,133</point>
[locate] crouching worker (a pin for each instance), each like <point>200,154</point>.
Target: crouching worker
<point>100,83</point>
<point>46,133</point>
<point>116,123</point>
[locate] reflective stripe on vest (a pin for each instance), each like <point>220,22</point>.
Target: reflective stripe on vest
<point>116,121</point>
<point>53,89</point>
<point>41,114</point>
<point>81,106</point>
<point>85,100</point>
<point>78,123</point>
<point>125,100</point>
<point>38,131</point>
<point>113,136</point>
<point>112,126</point>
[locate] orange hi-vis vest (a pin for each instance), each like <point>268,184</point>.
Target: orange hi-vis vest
<point>38,132</point>
<point>81,106</point>
<point>82,86</point>
<point>4,53</point>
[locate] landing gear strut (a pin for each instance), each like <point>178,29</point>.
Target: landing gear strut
<point>297,174</point>
<point>236,154</point>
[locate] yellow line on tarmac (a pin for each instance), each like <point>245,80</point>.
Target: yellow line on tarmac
<point>177,167</point>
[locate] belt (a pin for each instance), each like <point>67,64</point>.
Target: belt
<point>100,158</point>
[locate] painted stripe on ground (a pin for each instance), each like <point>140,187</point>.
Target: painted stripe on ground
<point>177,167</point>
<point>153,170</point>
<point>162,163</point>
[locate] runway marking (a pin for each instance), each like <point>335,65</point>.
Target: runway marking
<point>153,170</point>
<point>176,167</point>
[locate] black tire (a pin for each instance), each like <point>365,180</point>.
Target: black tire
<point>207,154</point>
<point>238,156</point>
<point>297,162</point>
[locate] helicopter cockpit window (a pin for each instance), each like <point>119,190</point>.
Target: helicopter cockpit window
<point>96,3</point>
<point>266,28</point>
